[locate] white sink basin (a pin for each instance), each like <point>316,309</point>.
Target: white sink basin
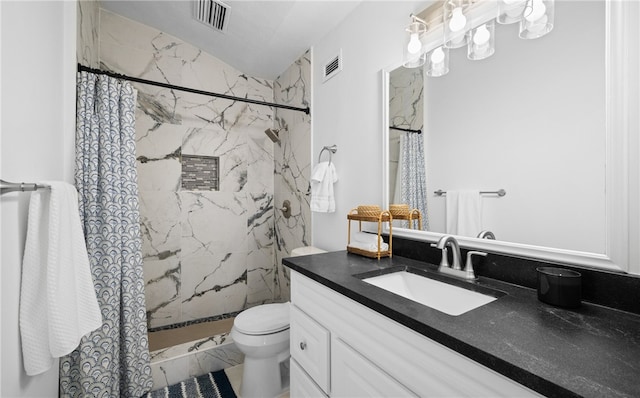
<point>441,296</point>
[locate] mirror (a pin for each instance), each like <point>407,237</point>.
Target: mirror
<point>533,120</point>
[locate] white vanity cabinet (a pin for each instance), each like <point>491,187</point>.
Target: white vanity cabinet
<point>353,351</point>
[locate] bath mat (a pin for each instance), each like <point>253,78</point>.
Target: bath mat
<point>211,385</point>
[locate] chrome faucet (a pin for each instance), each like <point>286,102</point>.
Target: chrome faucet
<point>455,269</point>
<point>455,248</point>
<point>486,234</point>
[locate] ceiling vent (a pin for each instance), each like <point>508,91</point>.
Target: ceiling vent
<point>212,13</point>
<point>333,67</point>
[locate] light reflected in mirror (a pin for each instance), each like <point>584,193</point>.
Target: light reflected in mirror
<point>531,120</point>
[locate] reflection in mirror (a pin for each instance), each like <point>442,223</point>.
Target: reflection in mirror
<point>532,120</point>
<point>407,182</point>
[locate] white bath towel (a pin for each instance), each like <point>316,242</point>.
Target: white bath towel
<point>323,177</point>
<point>58,303</point>
<point>464,213</point>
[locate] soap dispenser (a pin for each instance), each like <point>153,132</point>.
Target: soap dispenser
<point>468,267</point>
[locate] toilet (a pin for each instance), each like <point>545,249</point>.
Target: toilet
<point>261,333</point>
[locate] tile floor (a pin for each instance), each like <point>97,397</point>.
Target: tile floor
<point>234,374</point>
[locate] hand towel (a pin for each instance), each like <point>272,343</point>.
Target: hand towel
<point>364,237</point>
<point>370,247</point>
<point>58,303</point>
<point>463,213</point>
<point>323,177</point>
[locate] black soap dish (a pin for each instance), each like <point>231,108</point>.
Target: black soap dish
<point>559,286</point>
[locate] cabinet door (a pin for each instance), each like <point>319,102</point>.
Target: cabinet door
<point>310,347</point>
<point>352,375</point>
<point>301,384</point>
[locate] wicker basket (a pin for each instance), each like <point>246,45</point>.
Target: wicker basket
<point>369,210</point>
<point>399,210</point>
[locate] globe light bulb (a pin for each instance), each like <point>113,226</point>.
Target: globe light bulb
<point>537,11</point>
<point>482,35</point>
<point>414,44</point>
<point>458,20</point>
<point>437,56</point>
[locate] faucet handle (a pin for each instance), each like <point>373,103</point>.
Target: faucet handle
<point>468,268</point>
<point>444,261</point>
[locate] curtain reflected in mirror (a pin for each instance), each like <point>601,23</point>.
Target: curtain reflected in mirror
<point>407,170</point>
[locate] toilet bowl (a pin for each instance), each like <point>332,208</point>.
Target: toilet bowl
<point>261,333</point>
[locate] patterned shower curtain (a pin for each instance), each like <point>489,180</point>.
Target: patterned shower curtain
<point>112,361</point>
<point>414,180</point>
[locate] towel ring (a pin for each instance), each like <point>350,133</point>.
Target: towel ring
<point>332,149</point>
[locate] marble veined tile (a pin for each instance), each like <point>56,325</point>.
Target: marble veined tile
<point>213,223</point>
<point>405,98</point>
<point>221,357</point>
<point>87,33</point>
<point>170,371</point>
<point>142,64</point>
<point>214,284</point>
<point>291,233</point>
<point>293,158</point>
<point>158,105</point>
<point>118,30</point>
<point>202,111</point>
<point>206,72</point>
<point>292,87</point>
<point>229,146</point>
<point>156,140</point>
<point>261,271</point>
<point>162,291</point>
<point>260,220</point>
<point>160,224</point>
<point>260,161</point>
<point>159,174</point>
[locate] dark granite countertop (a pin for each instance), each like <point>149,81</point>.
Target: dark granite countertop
<point>591,351</point>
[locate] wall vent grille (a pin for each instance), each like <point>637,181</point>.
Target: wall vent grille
<point>212,13</point>
<point>333,67</point>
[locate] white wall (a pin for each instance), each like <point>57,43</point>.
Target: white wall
<point>346,110</point>
<point>37,122</point>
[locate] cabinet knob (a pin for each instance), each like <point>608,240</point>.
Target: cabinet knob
<point>303,345</point>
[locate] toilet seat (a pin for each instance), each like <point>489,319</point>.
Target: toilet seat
<point>263,319</point>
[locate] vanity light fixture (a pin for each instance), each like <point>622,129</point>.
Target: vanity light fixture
<point>437,62</point>
<point>414,57</point>
<point>456,23</point>
<point>537,19</point>
<point>481,41</point>
<point>510,11</point>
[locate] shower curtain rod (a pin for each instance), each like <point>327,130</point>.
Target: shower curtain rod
<point>407,130</point>
<point>82,68</point>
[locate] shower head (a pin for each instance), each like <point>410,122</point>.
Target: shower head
<point>272,134</point>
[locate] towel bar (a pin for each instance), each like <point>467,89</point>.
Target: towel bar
<point>499,192</point>
<point>6,187</point>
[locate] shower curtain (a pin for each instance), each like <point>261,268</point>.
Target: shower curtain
<point>112,361</point>
<point>413,172</point>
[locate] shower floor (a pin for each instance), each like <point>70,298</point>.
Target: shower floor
<point>173,337</point>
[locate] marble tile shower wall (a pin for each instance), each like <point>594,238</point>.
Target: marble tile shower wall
<point>206,253</point>
<point>292,166</point>
<point>87,44</point>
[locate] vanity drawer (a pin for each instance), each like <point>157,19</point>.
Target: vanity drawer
<point>310,347</point>
<point>301,385</point>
